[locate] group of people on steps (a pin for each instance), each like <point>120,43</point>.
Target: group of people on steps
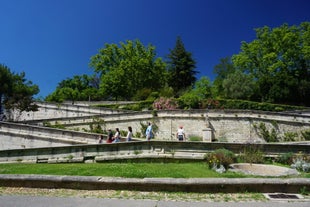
<point>148,134</point>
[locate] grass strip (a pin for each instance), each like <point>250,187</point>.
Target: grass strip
<point>127,170</point>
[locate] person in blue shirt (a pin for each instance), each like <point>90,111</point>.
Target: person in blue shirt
<point>149,132</point>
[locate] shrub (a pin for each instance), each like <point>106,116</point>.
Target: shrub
<point>220,157</point>
<point>268,136</point>
<point>142,94</point>
<point>290,136</point>
<point>306,135</point>
<point>189,101</point>
<point>251,154</point>
<point>165,103</point>
<point>286,159</point>
<point>301,162</point>
<point>194,138</point>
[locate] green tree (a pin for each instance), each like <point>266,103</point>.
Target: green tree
<point>194,97</point>
<point>181,68</point>
<point>6,84</point>
<point>78,88</point>
<point>128,68</point>
<point>16,92</point>
<point>279,60</point>
<point>222,70</point>
<point>238,85</point>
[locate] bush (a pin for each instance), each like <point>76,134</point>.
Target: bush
<point>306,135</point>
<point>286,159</point>
<point>301,162</point>
<point>290,136</point>
<point>251,105</point>
<point>194,138</point>
<point>189,101</point>
<point>268,136</point>
<point>142,94</point>
<point>165,103</point>
<point>252,154</point>
<point>220,157</point>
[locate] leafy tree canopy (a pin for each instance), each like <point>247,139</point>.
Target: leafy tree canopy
<point>279,61</point>
<point>127,68</point>
<point>82,88</point>
<point>16,92</point>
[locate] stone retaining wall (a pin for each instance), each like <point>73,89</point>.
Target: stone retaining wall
<point>137,150</point>
<point>18,136</point>
<point>226,125</point>
<point>198,185</point>
<point>235,126</point>
<point>50,111</point>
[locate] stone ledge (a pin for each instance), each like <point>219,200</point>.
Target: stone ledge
<point>201,185</point>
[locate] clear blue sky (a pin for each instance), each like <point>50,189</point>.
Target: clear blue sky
<point>52,40</point>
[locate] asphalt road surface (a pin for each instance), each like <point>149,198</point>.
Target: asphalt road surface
<point>44,201</point>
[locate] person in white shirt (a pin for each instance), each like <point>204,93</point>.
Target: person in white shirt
<point>129,134</point>
<point>181,134</point>
<point>117,136</point>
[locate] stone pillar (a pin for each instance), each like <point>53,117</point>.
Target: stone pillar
<point>207,135</point>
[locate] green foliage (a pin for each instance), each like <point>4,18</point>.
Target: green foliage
<point>192,138</point>
<point>189,101</point>
<point>58,125</point>
<point>306,135</point>
<point>16,91</point>
<point>290,136</point>
<point>238,85</point>
<point>268,136</point>
<point>127,170</point>
<point>223,69</point>
<point>138,134</point>
<point>166,92</point>
<point>181,68</point>
<point>119,65</point>
<point>82,88</point>
<point>96,125</point>
<point>278,61</point>
<point>142,94</point>
<point>251,154</point>
<point>193,98</point>
<point>286,159</point>
<point>220,157</point>
<point>251,105</point>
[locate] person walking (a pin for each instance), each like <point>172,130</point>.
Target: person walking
<point>149,132</point>
<point>181,134</point>
<point>117,136</point>
<point>110,136</point>
<point>129,134</point>
<point>100,140</point>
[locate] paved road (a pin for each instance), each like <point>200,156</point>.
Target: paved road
<point>41,201</point>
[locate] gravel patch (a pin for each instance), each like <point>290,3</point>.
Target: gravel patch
<point>159,196</point>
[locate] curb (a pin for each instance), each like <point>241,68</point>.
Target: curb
<point>198,185</point>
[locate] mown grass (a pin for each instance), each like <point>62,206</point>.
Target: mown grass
<point>128,170</point>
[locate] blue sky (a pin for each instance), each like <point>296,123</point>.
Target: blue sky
<point>52,40</point>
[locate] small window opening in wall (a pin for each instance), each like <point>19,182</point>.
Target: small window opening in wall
<point>283,196</point>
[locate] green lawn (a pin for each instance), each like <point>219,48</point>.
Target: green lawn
<point>130,170</point>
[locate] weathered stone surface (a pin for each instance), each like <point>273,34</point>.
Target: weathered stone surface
<point>202,185</point>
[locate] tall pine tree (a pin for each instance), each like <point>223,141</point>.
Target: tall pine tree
<point>181,68</point>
